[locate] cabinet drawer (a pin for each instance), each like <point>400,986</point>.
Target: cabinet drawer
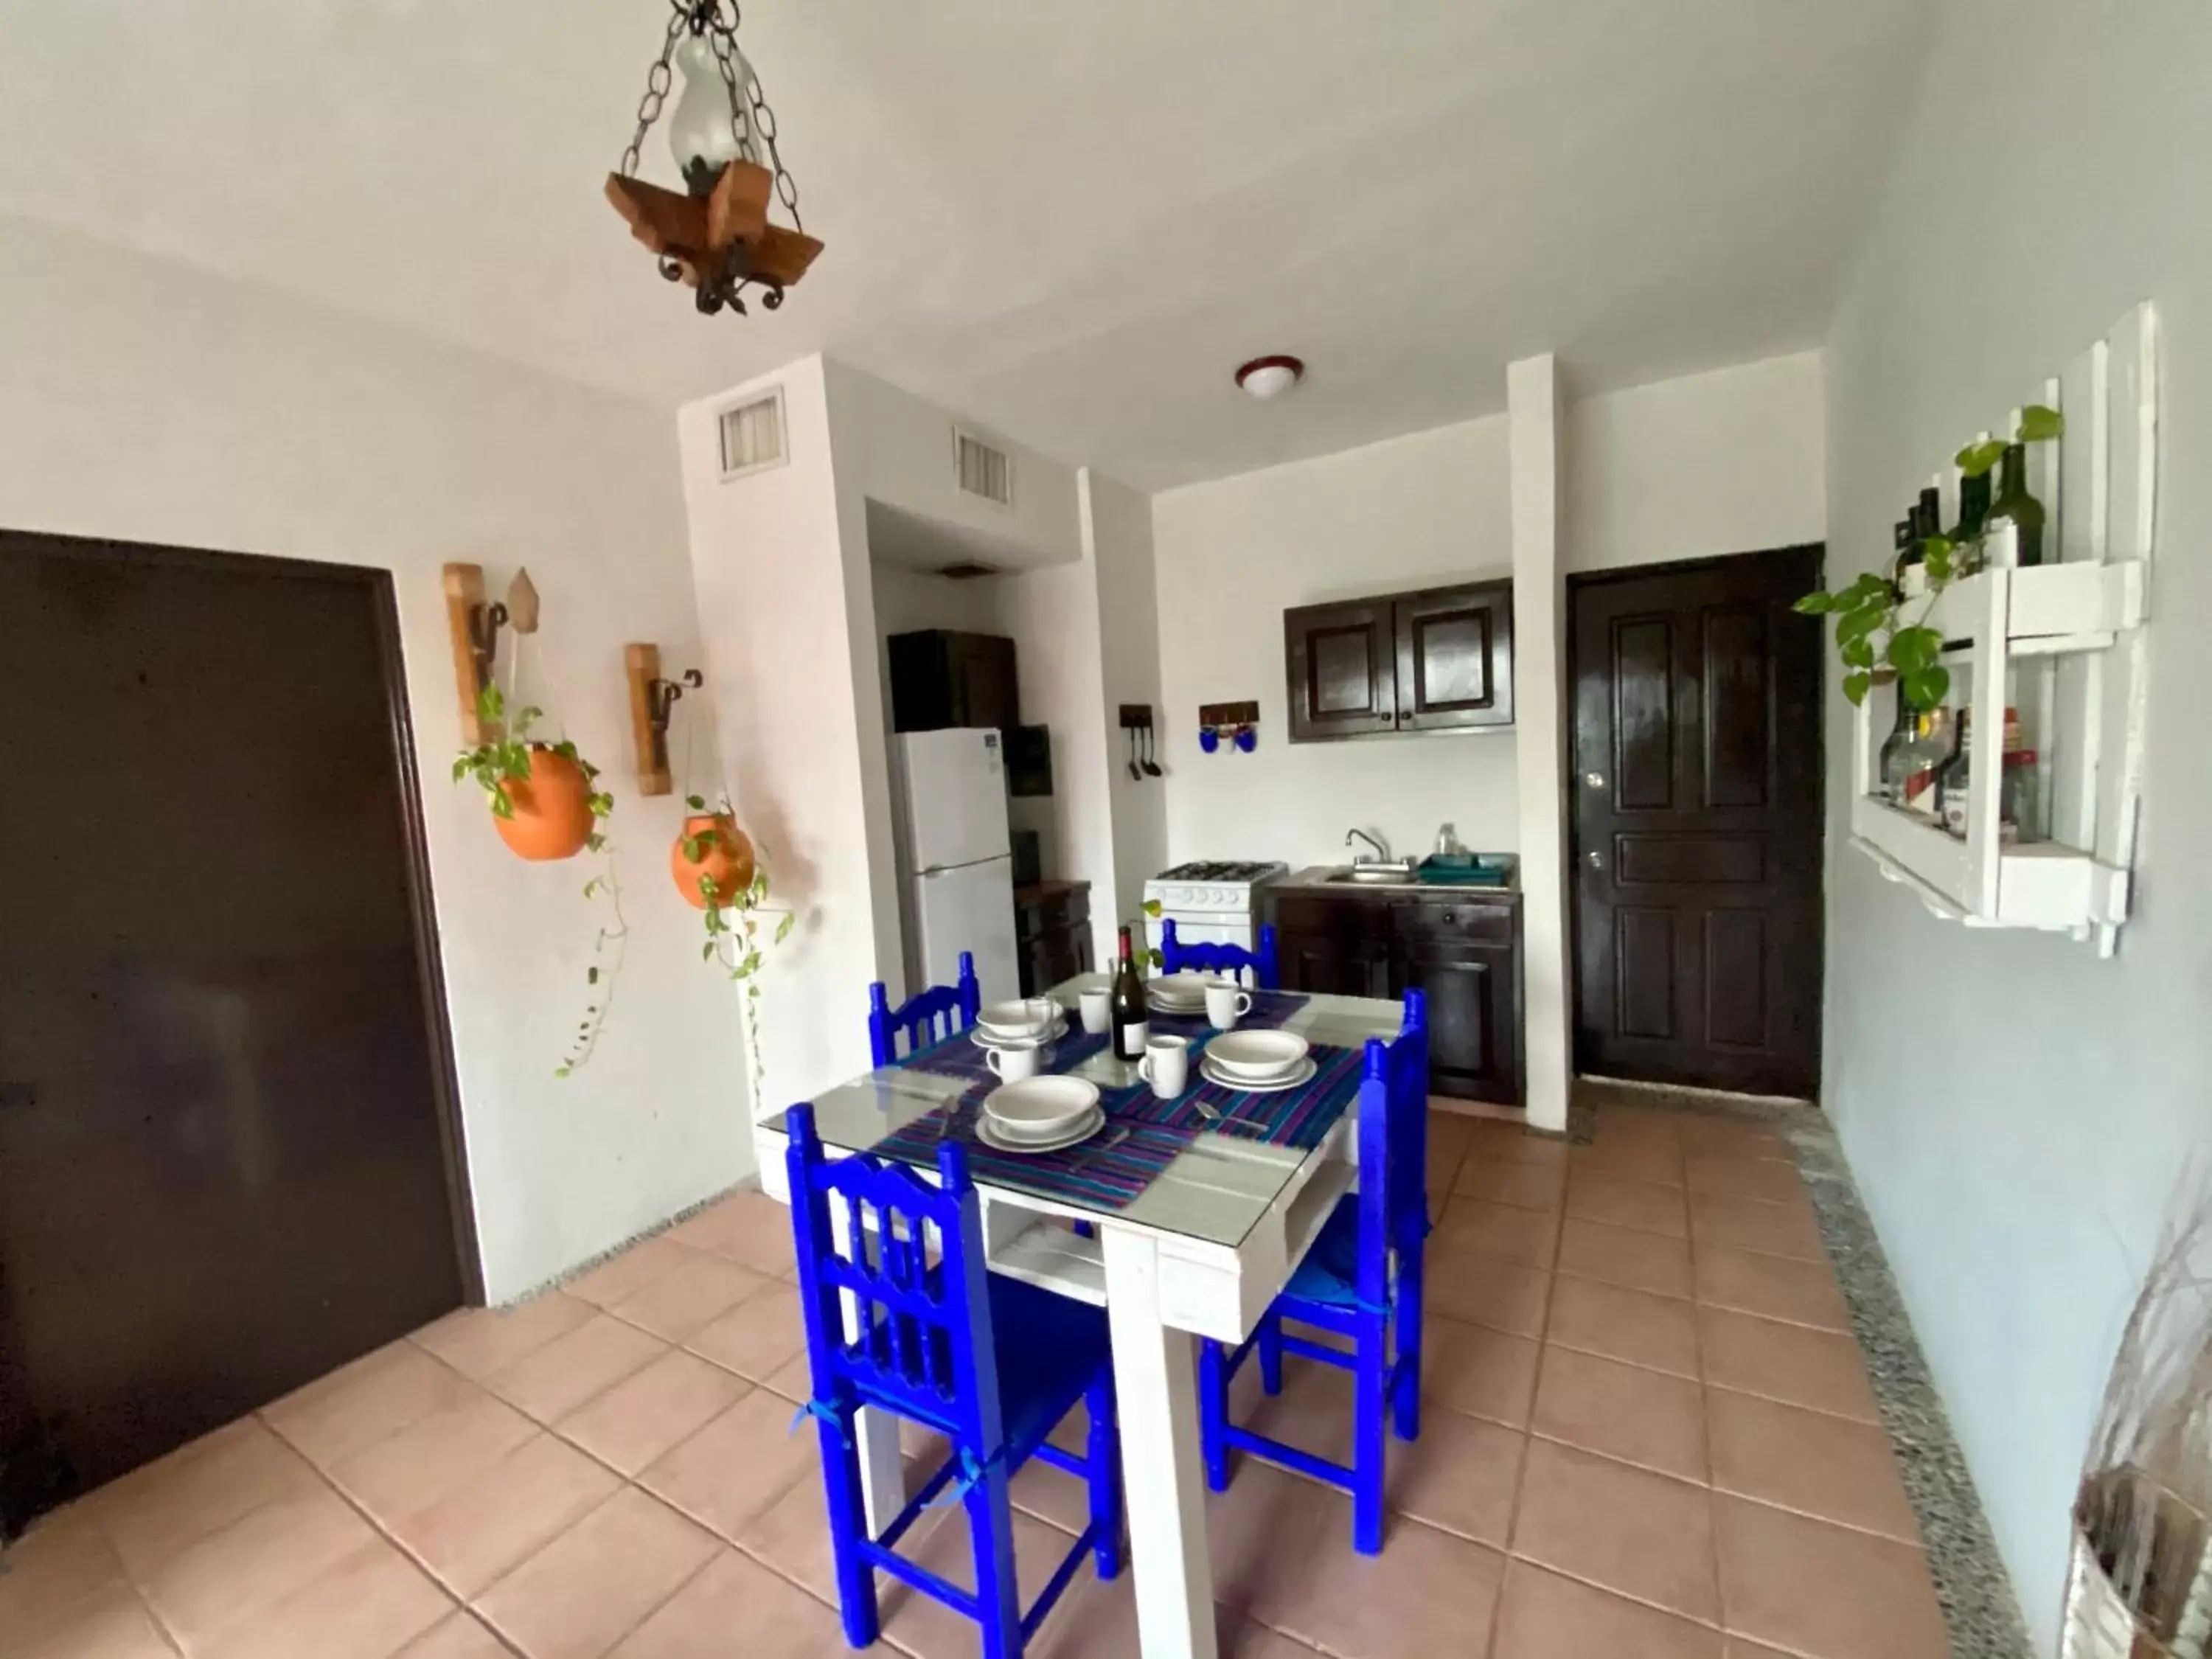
<point>1466,920</point>
<point>1344,918</point>
<point>1053,914</point>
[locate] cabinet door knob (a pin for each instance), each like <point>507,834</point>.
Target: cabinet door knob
<point>1595,780</point>
<point>1595,859</point>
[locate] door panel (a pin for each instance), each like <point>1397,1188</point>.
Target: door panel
<point>1455,650</point>
<point>1472,1020</point>
<point>225,1164</point>
<point>1342,671</point>
<point>1697,823</point>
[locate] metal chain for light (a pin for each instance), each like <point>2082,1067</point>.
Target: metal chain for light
<point>703,17</point>
<point>657,80</point>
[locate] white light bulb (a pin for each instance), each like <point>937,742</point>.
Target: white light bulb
<point>1270,380</point>
<point>700,126</point>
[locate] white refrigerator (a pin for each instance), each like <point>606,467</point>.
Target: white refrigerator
<point>955,863</point>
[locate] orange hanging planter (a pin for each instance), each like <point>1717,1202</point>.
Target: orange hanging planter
<point>552,816</point>
<point>711,848</point>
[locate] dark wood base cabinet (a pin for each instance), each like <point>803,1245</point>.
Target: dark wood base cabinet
<point>1463,954</point>
<point>1052,933</point>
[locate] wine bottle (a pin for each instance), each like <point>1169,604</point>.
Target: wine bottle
<point>1966,534</point>
<point>1128,1006</point>
<point>1890,777</point>
<point>1910,576</point>
<point>1954,784</point>
<point>2012,533</point>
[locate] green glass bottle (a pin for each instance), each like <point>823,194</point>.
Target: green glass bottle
<point>2012,535</point>
<point>1966,534</point>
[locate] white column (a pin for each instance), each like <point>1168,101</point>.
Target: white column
<point>1534,409</point>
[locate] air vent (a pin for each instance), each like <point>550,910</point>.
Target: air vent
<point>966,571</point>
<point>983,470</point>
<point>752,436</point>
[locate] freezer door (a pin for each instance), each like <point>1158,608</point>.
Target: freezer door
<point>953,784</point>
<point>970,906</point>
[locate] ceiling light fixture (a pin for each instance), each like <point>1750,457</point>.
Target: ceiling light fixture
<point>1269,377</point>
<point>717,238</point>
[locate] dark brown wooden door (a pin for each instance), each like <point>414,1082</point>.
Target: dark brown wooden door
<point>988,693</point>
<point>1454,651</point>
<point>1472,1021</point>
<point>224,1164</point>
<point>1343,670</point>
<point>1696,790</point>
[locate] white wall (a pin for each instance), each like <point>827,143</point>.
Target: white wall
<point>1232,555</point>
<point>2015,1111</point>
<point>145,401</point>
<point>1118,527</point>
<point>1726,462</point>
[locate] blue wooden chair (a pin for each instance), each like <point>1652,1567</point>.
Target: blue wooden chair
<point>1175,955</point>
<point>1361,1278</point>
<point>989,1363</point>
<point>926,1017</point>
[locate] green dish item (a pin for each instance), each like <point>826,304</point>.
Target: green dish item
<point>1463,870</point>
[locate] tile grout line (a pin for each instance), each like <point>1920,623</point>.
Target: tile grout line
<point>1721,1617</point>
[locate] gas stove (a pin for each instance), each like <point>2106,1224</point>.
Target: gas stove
<point>1212,901</point>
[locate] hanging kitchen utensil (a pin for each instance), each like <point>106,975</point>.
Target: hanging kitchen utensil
<point>1152,767</point>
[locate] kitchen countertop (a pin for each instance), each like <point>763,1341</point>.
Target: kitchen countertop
<point>1315,880</point>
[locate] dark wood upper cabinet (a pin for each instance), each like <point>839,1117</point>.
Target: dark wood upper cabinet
<point>1343,670</point>
<point>940,679</point>
<point>1439,660</point>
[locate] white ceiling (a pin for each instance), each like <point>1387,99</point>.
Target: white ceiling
<point>1069,221</point>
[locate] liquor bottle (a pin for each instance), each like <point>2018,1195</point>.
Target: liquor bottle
<point>1128,1006</point>
<point>1966,534</point>
<point>1931,751</point>
<point>1954,783</point>
<point>2020,793</point>
<point>1911,575</point>
<point>1902,531</point>
<point>2012,535</point>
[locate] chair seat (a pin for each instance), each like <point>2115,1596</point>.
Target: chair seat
<point>1329,1274</point>
<point>1050,1348</point>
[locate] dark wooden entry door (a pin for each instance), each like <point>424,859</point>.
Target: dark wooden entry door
<point>1696,799</point>
<point>224,1144</point>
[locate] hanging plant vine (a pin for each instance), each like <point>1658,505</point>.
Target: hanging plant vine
<point>603,971</point>
<point>735,946</point>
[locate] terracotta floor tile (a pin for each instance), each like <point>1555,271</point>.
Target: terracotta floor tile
<point>1095,1620</point>
<point>478,1341</point>
<point>1544,1616</point>
<point>1623,1528</point>
<point>461,1637</point>
<point>1450,1134</point>
<point>1642,1417</point>
<point>1644,1205</point>
<point>1789,1362</point>
<point>438,1456</point>
<point>1825,1466</point>
<point>1264,1529</point>
<point>360,1404</point>
<point>1774,1179</point>
<point>1799,1292</point>
<point>1510,1143</point>
<point>368,1605</point>
<point>1638,1126</point>
<point>1658,1161</point>
<point>569,1369</point>
<point>755,1339</point>
<point>1528,1237</point>
<point>153,1513</point>
<point>111,1624</point>
<point>1644,1329</point>
<point>1485,1373</point>
<point>736,1605</point>
<point>793,1379</point>
<point>682,1301</point>
<point>1427,1593</point>
<point>928,1628</point>
<point>214,1587</point>
<point>1729,1137</point>
<point>791,1534</point>
<point>1482,1290</point>
<point>1621,1256</point>
<point>1313,1413</point>
<point>650,1411</point>
<point>1753,1224</point>
<point>1460,1475</point>
<point>1442,1171</point>
<point>737,1466</point>
<point>621,1277</point>
<point>1815,1588</point>
<point>1741,1648</point>
<point>476,1533</point>
<point>1528,1185</point>
<point>749,1228</point>
<point>599,1581</point>
<point>1042,1491</point>
<point>50,1572</point>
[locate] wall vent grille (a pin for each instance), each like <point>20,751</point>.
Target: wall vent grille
<point>984,471</point>
<point>752,436</point>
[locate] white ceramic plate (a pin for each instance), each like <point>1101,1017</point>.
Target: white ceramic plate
<point>983,1038</point>
<point>1261,1054</point>
<point>1022,1018</point>
<point>1039,1106</point>
<point>1090,1124</point>
<point>1181,992</point>
<point>1302,1072</point>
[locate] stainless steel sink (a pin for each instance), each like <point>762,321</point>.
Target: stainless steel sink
<point>1377,873</point>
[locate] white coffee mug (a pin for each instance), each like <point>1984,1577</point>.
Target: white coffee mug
<point>1225,1003</point>
<point>1012,1065</point>
<point>1097,1011</point>
<point>1166,1065</point>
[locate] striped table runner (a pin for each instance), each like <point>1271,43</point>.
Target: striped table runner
<point>1108,1172</point>
<point>1297,1117</point>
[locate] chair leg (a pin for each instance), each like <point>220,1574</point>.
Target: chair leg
<point>856,1580</point>
<point>1270,1350</point>
<point>997,1594</point>
<point>1101,1460</point>
<point>1370,1447</point>
<point>1213,1413</point>
<point>1406,1320</point>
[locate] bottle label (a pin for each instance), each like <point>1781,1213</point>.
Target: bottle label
<point>1130,1043</point>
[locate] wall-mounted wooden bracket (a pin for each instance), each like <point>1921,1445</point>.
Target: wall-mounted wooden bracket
<point>652,700</point>
<point>1228,714</point>
<point>475,628</point>
<point>1136,717</point>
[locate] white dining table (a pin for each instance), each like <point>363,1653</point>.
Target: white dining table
<point>1200,1253</point>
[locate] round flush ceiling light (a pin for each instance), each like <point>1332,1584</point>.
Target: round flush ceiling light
<point>1267,377</point>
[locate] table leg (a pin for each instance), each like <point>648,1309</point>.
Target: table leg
<point>883,1469</point>
<point>1162,1474</point>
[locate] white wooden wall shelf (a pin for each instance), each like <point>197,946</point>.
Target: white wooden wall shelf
<point>2071,637</point>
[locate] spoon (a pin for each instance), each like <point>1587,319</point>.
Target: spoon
<point>1150,769</point>
<point>1136,773</point>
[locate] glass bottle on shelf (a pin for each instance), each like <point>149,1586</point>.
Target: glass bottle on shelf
<point>1931,751</point>
<point>1902,572</point>
<point>1966,534</point>
<point>2021,791</point>
<point>1913,566</point>
<point>2012,535</point>
<point>1954,783</point>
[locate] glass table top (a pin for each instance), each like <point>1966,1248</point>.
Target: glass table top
<point>1214,1191</point>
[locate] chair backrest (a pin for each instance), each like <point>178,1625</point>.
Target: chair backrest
<point>926,1017</point>
<point>920,1340</point>
<point>1394,1148</point>
<point>1175,955</point>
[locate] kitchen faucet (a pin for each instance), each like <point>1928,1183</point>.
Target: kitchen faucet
<point>1382,851</point>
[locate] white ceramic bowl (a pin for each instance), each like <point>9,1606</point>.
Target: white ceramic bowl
<point>1028,1018</point>
<point>1038,1108</point>
<point>1184,990</point>
<point>1257,1053</point>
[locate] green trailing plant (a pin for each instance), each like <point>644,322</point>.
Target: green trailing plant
<point>733,921</point>
<point>608,947</point>
<point>1152,958</point>
<point>1877,641</point>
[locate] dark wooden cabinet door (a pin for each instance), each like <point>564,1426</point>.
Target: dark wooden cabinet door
<point>1469,992</point>
<point>1330,964</point>
<point>985,692</point>
<point>941,679</point>
<point>1696,791</point>
<point>1342,667</point>
<point>1454,655</point>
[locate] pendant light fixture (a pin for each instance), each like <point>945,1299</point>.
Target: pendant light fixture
<point>714,234</point>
